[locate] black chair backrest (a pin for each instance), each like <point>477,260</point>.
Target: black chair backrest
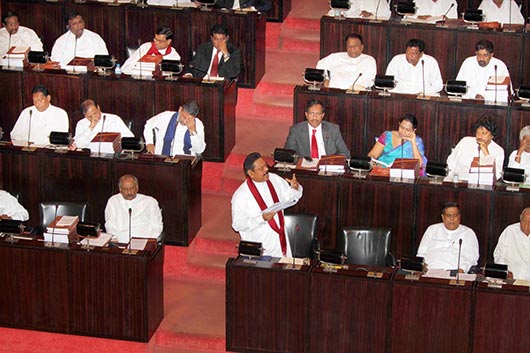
<point>301,229</point>
<point>365,245</point>
<point>47,211</point>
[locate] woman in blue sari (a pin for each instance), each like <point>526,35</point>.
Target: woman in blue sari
<point>400,144</point>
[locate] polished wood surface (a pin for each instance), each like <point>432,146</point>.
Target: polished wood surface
<point>121,27</point>
<point>441,122</point>
<point>280,10</point>
<point>133,100</point>
<point>449,44</point>
<point>44,176</point>
<point>98,293</point>
<point>266,309</point>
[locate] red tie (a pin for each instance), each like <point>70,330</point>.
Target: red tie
<point>214,71</point>
<point>314,145</point>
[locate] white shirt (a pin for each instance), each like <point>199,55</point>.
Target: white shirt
<point>477,76</point>
<point>344,70</point>
<point>410,78</point>
<point>113,123</point>
<point>140,52</point>
<point>438,8</point>
<point>10,207</point>
<point>439,247</point>
<point>357,6</point>
<point>513,249</point>
<point>88,45</point>
<point>146,218</point>
<point>247,218</point>
<point>459,161</point>
<point>24,37</point>
<point>42,123</point>
<point>524,164</point>
<point>159,124</point>
<point>492,13</point>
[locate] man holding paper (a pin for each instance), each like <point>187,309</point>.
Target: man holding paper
<point>252,199</point>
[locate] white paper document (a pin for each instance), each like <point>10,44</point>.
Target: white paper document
<point>138,243</point>
<point>279,206</point>
<point>102,240</point>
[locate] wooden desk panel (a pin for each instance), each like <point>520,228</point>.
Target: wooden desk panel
<point>266,308</point>
<point>10,99</point>
<point>430,318</point>
<point>280,10</point>
<point>348,312</point>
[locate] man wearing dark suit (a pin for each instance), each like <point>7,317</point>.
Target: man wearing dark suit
<point>316,138</point>
<point>259,5</point>
<point>218,58</point>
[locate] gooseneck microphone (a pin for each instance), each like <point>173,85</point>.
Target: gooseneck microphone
<point>458,264</point>
<point>101,134</point>
<point>139,41</point>
<point>55,225</point>
<point>449,9</point>
<point>478,164</point>
<point>130,237</point>
<point>355,81</point>
<point>8,49</point>
<point>376,9</point>
<point>75,51</point>
<point>29,126</point>
<point>201,70</point>
<point>423,75</point>
<point>495,83</point>
<point>401,166</point>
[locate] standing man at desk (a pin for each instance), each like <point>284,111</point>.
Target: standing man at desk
<point>170,133</point>
<point>77,42</point>
<point>10,208</point>
<point>36,122</point>
<point>218,58</point>
<point>12,34</point>
<point>415,70</point>
<point>513,248</point>
<point>160,46</point>
<point>315,137</point>
<point>352,66</point>
<point>92,124</point>
<point>441,242</point>
<point>260,191</point>
<point>477,70</point>
<point>142,211</point>
<point>499,11</point>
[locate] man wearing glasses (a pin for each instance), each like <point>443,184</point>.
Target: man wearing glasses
<point>442,242</point>
<point>316,137</point>
<point>160,46</point>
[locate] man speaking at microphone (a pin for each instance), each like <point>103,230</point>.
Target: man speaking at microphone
<point>350,67</point>
<point>443,242</point>
<point>145,216</point>
<point>94,122</point>
<point>77,42</point>
<point>415,71</point>
<point>36,122</point>
<point>260,191</point>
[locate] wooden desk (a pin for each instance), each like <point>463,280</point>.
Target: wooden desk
<point>98,293</point>
<point>47,176</point>
<point>386,39</point>
<point>121,27</point>
<point>133,100</point>
<point>280,10</point>
<point>431,316</point>
<point>266,307</point>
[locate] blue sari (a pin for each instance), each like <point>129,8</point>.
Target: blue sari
<point>390,153</point>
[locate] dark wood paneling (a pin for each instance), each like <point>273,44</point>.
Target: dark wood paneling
<point>280,10</point>
<point>430,318</point>
<point>11,100</point>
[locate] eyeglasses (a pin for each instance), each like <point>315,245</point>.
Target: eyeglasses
<point>451,216</point>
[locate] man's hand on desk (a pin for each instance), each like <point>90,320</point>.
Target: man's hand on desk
<point>366,14</point>
<point>4,216</point>
<point>150,148</point>
<point>479,96</point>
<point>188,75</point>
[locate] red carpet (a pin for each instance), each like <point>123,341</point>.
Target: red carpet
<point>194,293</point>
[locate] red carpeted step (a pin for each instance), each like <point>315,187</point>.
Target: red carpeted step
<point>309,24</point>
<point>190,343</point>
<point>272,35</point>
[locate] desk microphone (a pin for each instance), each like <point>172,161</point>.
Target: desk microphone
<point>75,51</point>
<point>130,218</point>
<point>495,68</point>
<point>356,79</point>
<point>401,162</point>
<point>201,70</point>
<point>449,9</point>
<point>139,41</point>
<point>377,249</point>
<point>458,265</point>
<point>55,225</point>
<point>101,135</point>
<point>297,231</point>
<point>510,16</point>
<point>29,126</point>
<point>376,9</point>
<point>478,176</point>
<point>8,49</point>
<point>423,75</point>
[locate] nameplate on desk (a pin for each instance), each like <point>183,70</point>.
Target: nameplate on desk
<point>373,274</point>
<point>171,160</point>
<point>457,282</point>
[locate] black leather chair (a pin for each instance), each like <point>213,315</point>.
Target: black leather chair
<point>367,246</point>
<point>301,229</point>
<point>47,211</point>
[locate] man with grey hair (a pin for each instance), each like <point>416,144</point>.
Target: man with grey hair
<point>141,210</point>
<point>513,247</point>
<point>170,133</point>
<point>520,158</point>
